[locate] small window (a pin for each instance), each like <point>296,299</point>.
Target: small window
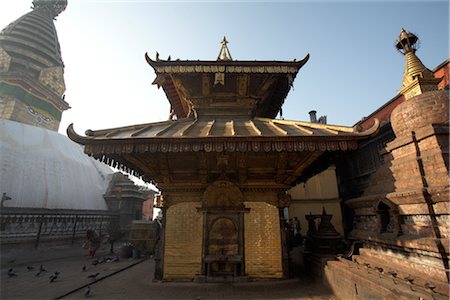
<point>386,218</point>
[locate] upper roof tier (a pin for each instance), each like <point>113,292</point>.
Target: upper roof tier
<point>225,87</point>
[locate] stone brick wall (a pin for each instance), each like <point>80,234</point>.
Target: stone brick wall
<point>262,241</point>
<point>424,109</point>
<point>183,241</point>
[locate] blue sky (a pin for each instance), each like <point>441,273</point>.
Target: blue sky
<point>353,69</point>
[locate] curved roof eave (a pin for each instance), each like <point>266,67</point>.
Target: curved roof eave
<point>280,128</point>
<point>243,63</point>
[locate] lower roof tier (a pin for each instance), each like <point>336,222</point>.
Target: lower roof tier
<point>220,135</point>
<point>221,127</point>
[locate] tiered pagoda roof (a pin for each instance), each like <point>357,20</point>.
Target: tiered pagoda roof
<point>221,106</point>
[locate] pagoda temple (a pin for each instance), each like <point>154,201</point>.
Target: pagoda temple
<point>223,163</point>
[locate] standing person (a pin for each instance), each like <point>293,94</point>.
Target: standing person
<point>291,233</point>
<point>92,242</point>
<point>114,234</point>
<point>297,232</point>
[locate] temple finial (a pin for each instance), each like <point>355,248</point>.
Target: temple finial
<point>224,53</point>
<point>417,78</point>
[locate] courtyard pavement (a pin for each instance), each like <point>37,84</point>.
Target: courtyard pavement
<point>126,279</point>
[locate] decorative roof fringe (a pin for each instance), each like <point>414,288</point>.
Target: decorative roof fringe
<point>229,146</point>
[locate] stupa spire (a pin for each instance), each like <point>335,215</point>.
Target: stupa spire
<point>31,67</point>
<point>224,53</point>
<point>417,78</point>
<point>54,6</point>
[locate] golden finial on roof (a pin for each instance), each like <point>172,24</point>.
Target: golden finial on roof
<point>417,78</point>
<point>224,53</point>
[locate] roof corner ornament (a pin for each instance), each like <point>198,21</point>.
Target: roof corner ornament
<point>417,78</point>
<point>224,53</point>
<point>159,80</point>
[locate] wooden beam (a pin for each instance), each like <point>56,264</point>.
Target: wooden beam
<point>306,161</point>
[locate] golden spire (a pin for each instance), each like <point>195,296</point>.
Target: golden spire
<point>224,53</point>
<point>417,78</point>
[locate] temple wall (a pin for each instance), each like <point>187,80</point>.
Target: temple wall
<point>262,241</point>
<point>183,241</point>
<point>319,192</point>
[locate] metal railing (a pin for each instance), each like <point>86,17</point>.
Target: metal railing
<point>42,225</point>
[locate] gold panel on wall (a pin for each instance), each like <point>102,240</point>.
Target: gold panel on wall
<point>183,241</point>
<point>262,241</point>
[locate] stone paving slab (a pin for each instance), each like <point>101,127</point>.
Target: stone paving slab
<point>26,285</point>
<point>137,283</point>
<point>131,279</point>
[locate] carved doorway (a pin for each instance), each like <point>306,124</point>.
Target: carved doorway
<point>223,257</point>
<point>223,237</point>
<point>223,231</point>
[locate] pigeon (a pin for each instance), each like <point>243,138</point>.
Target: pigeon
<point>11,273</point>
<point>29,268</point>
<point>168,58</point>
<point>392,273</point>
<point>430,286</point>
<point>87,292</point>
<point>53,277</point>
<point>84,268</point>
<point>41,269</point>
<point>93,275</point>
<point>38,273</point>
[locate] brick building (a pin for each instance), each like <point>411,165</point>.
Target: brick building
<point>395,190</point>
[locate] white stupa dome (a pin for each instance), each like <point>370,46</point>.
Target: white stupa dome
<point>40,168</point>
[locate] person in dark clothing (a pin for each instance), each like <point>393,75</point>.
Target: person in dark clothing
<point>297,232</point>
<point>114,234</point>
<point>92,242</point>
